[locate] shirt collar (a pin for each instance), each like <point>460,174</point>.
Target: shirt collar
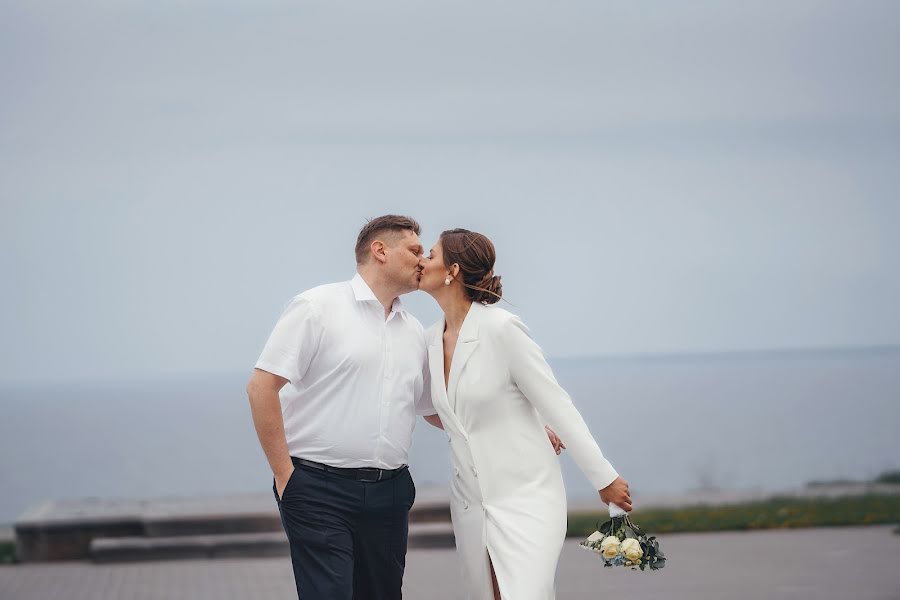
<point>363,293</point>
<point>361,290</point>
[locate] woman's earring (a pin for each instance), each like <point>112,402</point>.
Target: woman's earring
<point>448,280</point>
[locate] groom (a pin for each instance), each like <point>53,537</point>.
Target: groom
<point>334,399</point>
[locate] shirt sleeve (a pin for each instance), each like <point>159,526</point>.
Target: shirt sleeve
<point>424,405</point>
<point>535,379</point>
<point>293,342</point>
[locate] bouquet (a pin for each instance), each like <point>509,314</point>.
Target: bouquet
<point>621,543</point>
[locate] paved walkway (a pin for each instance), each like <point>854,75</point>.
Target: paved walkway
<point>820,564</point>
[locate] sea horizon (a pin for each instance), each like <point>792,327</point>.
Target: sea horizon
<point>670,422</point>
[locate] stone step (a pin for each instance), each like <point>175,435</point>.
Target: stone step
<point>432,535</point>
<point>165,526</point>
<point>64,529</point>
<point>238,545</point>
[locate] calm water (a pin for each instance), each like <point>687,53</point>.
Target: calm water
<point>669,424</point>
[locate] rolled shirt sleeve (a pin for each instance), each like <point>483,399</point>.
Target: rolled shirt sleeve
<point>293,342</point>
<point>535,379</point>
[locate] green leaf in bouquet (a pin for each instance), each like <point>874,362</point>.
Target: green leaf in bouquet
<point>605,528</point>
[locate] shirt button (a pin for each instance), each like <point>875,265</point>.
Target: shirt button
<point>465,505</point>
<point>475,471</point>
<point>456,471</point>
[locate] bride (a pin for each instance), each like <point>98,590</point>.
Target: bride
<point>493,391</point>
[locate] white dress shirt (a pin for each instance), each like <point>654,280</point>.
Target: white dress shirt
<point>356,379</point>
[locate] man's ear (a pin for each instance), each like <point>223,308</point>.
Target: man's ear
<point>377,247</point>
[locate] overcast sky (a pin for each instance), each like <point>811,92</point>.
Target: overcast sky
<point>657,176</point>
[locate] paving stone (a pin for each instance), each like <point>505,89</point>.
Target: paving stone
<point>811,564</point>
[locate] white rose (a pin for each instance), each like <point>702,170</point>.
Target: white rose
<point>609,547</point>
<point>631,548</point>
<point>610,540</point>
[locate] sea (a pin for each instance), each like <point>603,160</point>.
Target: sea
<point>671,424</point>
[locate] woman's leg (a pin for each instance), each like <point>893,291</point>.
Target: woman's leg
<point>494,579</point>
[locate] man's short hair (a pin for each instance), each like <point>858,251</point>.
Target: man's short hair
<point>379,226</point>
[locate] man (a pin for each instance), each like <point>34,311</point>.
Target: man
<point>334,397</point>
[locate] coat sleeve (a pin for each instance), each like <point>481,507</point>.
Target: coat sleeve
<point>424,404</point>
<point>534,378</point>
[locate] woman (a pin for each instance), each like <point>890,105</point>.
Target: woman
<point>493,391</point>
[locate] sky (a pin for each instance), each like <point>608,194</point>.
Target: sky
<point>657,177</point>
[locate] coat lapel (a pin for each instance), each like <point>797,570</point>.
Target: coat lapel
<point>439,392</point>
<point>465,346</point>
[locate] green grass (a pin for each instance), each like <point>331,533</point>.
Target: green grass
<point>888,477</point>
<point>776,513</point>
<point>7,552</point>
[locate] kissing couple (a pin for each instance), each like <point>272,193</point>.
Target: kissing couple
<point>334,398</point>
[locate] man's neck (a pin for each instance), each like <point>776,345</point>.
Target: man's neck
<point>385,293</point>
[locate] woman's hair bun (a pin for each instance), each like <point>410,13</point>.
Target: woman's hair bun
<point>487,291</point>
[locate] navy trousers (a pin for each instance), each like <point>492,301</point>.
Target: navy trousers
<point>347,537</point>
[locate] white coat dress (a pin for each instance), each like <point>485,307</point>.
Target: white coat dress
<point>507,499</point>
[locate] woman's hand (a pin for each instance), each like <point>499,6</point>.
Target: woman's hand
<point>434,420</point>
<point>558,446</point>
<point>617,493</point>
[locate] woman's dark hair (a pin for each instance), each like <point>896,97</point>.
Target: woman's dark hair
<point>475,255</point>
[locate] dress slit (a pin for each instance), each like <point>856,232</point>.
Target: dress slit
<point>494,577</point>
